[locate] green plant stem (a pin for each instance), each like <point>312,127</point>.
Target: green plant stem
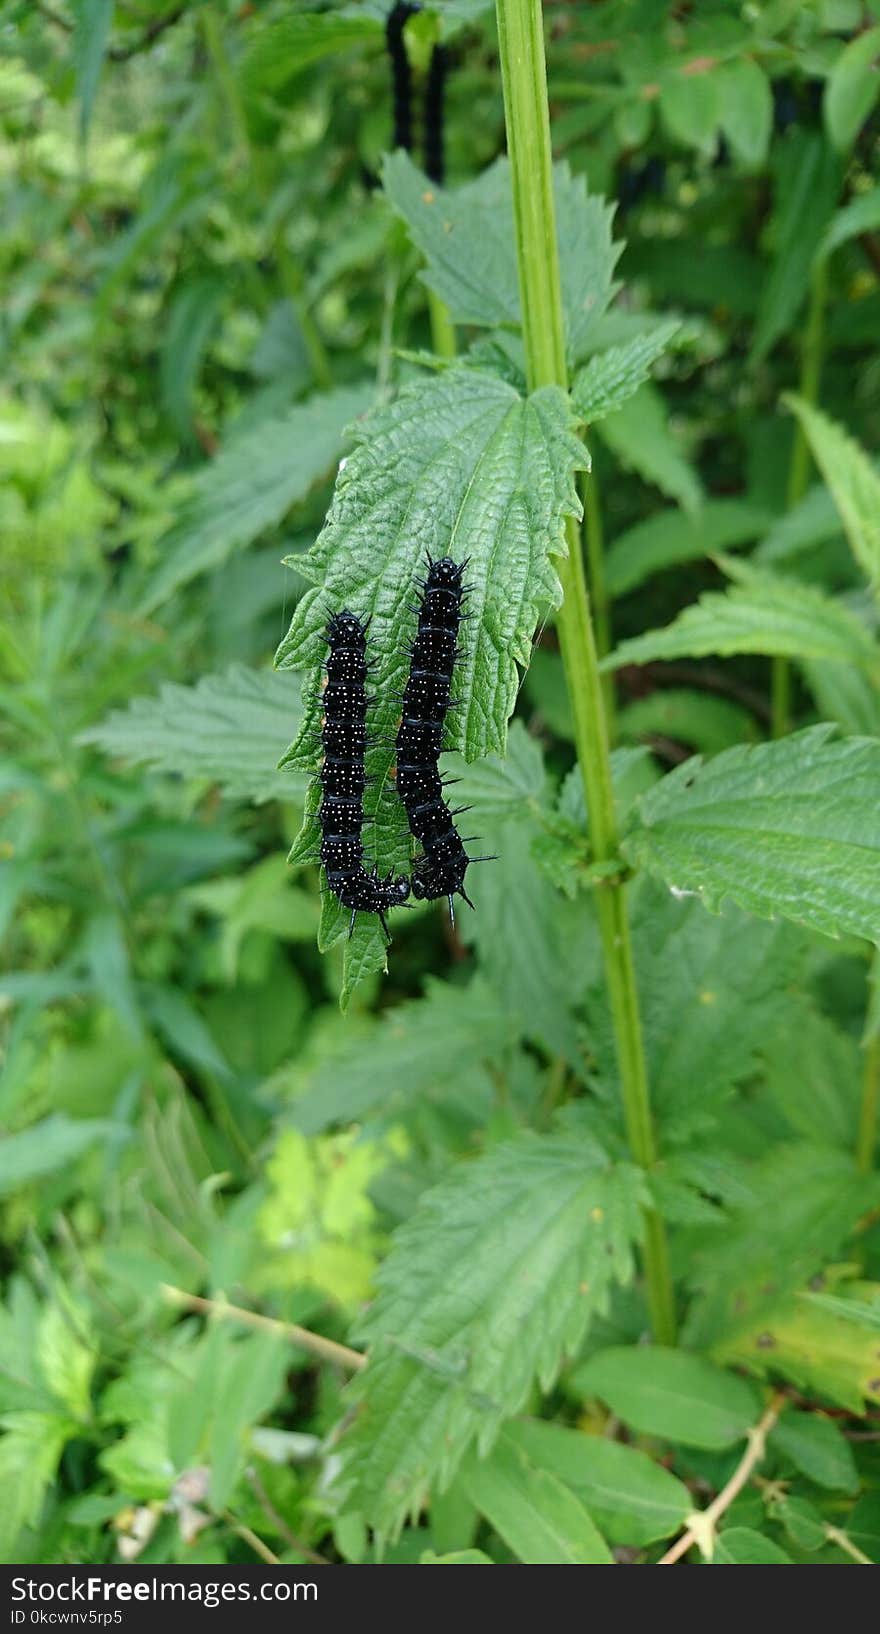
<point>594,538</point>
<point>866,1140</point>
<point>799,469</point>
<point>524,76</point>
<point>442,328</point>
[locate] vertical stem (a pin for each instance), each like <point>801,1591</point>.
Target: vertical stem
<point>799,469</point>
<point>524,76</point>
<point>866,1140</point>
<point>442,327</point>
<point>594,536</point>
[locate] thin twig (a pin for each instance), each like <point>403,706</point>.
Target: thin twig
<point>834,1535</point>
<point>280,1524</point>
<point>256,1543</point>
<point>701,1526</point>
<point>327,1349</point>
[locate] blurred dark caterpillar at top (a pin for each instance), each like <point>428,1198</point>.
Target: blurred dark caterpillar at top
<point>401,75</point>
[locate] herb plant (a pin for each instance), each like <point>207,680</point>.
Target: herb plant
<point>550,1235</point>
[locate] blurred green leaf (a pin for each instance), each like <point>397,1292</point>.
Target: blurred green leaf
<point>229,729</point>
<point>467,239</point>
<point>632,1498</point>
<point>493,1278</point>
<point>668,1393</point>
<point>537,1515</point>
<point>251,485</point>
<point>852,88</point>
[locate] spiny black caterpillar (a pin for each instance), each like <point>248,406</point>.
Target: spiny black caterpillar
<point>401,75</point>
<point>343,778</point>
<point>440,870</point>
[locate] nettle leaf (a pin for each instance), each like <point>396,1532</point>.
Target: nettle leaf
<point>806,188</point>
<point>419,1053</point>
<point>459,463</point>
<point>539,1517</point>
<point>631,1498</point>
<point>639,434</point>
<point>468,240</point>
<point>229,729</point>
<point>252,484</point>
<point>713,991</point>
<point>813,521</point>
<point>280,49</point>
<point>813,1073</point>
<point>762,612</point>
<point>672,537</point>
<point>819,1351</point>
<point>613,376</point>
<point>487,1286</point>
<point>668,1393</point>
<point>785,830</point>
<point>814,1196</point>
<point>852,478</point>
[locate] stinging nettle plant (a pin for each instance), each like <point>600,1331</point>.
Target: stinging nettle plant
<point>561,1242</point>
<point>485,459</point>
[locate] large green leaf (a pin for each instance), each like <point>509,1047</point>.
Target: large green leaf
<point>231,729</point>
<point>251,485</point>
<point>812,1197</point>
<point>611,377</point>
<point>713,991</point>
<point>420,1052</point>
<point>487,1286</point>
<point>786,830</point>
<point>284,47</point>
<point>852,479</point>
<point>820,1351</point>
<point>762,612</point>
<point>668,1393</point>
<point>632,1499</point>
<point>638,432</point>
<point>468,240</point>
<point>458,463</point>
<point>807,184</point>
<point>539,1517</point>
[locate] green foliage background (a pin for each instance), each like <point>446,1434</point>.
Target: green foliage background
<point>224,347</point>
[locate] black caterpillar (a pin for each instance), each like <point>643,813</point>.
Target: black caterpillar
<point>401,75</point>
<point>344,779</point>
<point>434,95</point>
<point>441,869</point>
